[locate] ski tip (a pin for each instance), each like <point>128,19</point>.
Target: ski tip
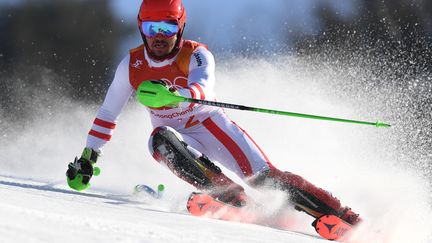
<point>197,203</point>
<point>332,227</point>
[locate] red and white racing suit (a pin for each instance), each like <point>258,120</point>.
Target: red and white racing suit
<point>206,129</point>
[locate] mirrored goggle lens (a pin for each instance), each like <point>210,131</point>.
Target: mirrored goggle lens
<point>151,29</point>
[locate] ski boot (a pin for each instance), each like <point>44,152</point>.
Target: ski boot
<point>305,196</point>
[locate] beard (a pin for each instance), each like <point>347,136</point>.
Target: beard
<point>160,44</point>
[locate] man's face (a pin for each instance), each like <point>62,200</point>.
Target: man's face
<point>161,45</point>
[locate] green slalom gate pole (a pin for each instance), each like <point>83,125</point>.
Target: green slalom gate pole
<point>155,95</point>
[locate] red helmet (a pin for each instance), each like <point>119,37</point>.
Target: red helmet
<point>158,10</point>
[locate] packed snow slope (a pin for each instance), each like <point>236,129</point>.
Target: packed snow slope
<point>36,212</point>
<point>365,167</point>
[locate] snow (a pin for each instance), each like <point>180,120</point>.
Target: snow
<point>37,212</point>
<point>356,163</point>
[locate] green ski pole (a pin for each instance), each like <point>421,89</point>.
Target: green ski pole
<point>283,113</point>
<point>155,95</point>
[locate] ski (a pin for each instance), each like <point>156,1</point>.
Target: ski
<point>204,205</point>
<point>201,204</point>
<point>331,227</point>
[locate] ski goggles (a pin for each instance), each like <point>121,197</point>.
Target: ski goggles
<point>165,28</point>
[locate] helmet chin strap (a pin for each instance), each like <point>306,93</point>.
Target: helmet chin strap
<point>177,46</point>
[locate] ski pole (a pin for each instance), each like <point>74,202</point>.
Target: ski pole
<point>284,113</point>
<point>155,95</point>
<point>149,190</point>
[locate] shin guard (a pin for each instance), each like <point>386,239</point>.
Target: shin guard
<point>195,169</point>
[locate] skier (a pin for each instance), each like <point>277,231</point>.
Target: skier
<point>188,137</point>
